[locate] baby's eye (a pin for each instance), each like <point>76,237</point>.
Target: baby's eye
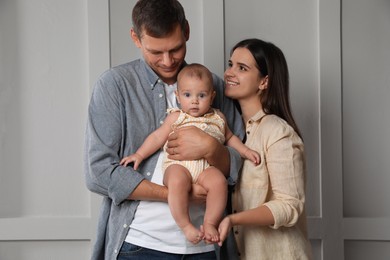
<point>187,94</point>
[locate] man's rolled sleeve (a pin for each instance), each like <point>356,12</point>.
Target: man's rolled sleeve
<point>235,166</point>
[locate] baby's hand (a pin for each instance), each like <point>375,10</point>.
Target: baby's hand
<point>135,158</point>
<point>253,156</point>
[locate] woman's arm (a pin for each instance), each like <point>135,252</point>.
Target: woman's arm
<point>260,216</point>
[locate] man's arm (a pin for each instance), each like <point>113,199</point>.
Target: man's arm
<point>152,143</point>
<point>157,139</point>
<point>106,129</point>
<point>147,190</point>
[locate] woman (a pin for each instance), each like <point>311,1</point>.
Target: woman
<point>268,202</point>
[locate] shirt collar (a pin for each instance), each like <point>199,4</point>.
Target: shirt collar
<point>258,116</point>
<point>151,76</point>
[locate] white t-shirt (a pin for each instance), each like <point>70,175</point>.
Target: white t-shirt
<point>153,225</point>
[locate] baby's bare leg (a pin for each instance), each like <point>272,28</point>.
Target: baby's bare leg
<point>179,182</point>
<point>215,183</point>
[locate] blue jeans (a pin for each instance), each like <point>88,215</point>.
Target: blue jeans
<point>133,252</point>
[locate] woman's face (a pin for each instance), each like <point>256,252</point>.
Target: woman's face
<point>242,77</point>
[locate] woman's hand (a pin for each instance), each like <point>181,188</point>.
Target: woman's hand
<point>224,229</point>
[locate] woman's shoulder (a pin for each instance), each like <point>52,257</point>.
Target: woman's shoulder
<point>276,126</point>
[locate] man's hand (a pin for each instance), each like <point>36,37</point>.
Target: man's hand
<point>190,143</point>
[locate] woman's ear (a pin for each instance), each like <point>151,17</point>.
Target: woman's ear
<point>263,83</point>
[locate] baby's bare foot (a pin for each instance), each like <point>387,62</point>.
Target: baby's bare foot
<point>192,234</point>
<point>211,232</point>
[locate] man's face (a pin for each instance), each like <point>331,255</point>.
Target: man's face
<point>164,55</point>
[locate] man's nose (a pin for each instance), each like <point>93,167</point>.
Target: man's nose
<point>167,59</point>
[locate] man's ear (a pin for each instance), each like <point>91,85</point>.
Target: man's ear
<point>187,31</point>
<point>135,38</point>
<point>263,83</point>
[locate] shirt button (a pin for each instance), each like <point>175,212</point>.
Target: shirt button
<point>148,173</point>
<point>159,81</point>
<point>248,132</point>
<point>161,122</point>
<point>125,225</point>
<point>116,251</point>
<point>161,95</point>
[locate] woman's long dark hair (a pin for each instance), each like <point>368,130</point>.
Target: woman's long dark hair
<point>271,61</point>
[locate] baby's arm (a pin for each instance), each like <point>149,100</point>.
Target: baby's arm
<point>152,143</point>
<point>244,150</point>
<point>236,143</point>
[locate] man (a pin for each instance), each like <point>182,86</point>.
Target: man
<point>127,104</point>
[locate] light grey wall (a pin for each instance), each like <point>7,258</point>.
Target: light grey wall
<point>44,91</point>
<point>366,128</point>
<point>51,52</point>
<point>366,107</point>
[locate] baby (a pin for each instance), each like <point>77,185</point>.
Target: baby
<point>195,93</point>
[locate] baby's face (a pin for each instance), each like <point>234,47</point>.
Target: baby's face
<point>195,96</point>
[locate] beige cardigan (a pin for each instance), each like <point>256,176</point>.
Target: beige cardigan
<point>277,182</point>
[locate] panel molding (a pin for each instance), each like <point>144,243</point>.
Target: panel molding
<point>45,228</point>
<point>98,38</point>
<point>331,128</point>
<point>315,227</point>
<point>213,36</point>
<point>367,229</point>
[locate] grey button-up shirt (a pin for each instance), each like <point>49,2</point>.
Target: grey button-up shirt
<point>127,104</point>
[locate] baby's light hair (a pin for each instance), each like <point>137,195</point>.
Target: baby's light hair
<point>197,71</point>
